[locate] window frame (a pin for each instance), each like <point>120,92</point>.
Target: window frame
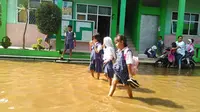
<point>94,14</point>
<point>17,13</point>
<point>190,21</point>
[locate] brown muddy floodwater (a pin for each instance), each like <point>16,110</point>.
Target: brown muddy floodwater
<point>53,87</point>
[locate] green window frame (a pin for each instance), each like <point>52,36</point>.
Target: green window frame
<point>191,23</point>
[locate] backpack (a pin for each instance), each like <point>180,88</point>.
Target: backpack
<point>134,65</point>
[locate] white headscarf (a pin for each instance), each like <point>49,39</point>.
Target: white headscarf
<point>190,41</point>
<point>109,46</point>
<point>154,47</point>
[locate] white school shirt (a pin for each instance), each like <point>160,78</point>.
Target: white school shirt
<point>182,46</point>
<point>108,55</point>
<point>70,32</point>
<point>129,56</point>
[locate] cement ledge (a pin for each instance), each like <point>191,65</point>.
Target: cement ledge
<point>66,60</point>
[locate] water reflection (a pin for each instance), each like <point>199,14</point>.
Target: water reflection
<point>151,70</point>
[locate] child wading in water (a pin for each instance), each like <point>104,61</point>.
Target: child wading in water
<point>96,56</point>
<point>109,56</point>
<point>122,67</point>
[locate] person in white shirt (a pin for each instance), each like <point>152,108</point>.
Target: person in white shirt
<point>180,50</point>
<point>108,58</point>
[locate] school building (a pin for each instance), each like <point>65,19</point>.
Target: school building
<point>140,20</point>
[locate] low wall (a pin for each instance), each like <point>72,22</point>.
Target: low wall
<point>15,33</point>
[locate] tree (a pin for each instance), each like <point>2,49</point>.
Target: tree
<point>24,7</point>
<point>48,18</point>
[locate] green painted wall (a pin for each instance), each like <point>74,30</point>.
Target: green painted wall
<point>137,39</point>
<point>58,36</point>
<point>122,17</point>
<point>192,6</point>
<point>114,18</point>
<point>99,2</point>
<point>150,10</point>
<point>163,10</point>
<point>3,18</point>
<point>141,10</point>
<point>134,15</point>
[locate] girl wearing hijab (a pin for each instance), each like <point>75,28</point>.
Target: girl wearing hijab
<point>109,57</point>
<point>151,52</point>
<point>189,49</point>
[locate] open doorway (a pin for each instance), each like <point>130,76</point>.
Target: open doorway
<point>104,26</point>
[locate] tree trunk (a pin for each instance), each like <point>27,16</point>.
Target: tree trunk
<point>24,35</point>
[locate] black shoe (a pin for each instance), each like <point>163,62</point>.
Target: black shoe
<point>133,83</point>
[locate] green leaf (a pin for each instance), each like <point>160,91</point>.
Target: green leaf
<point>48,18</point>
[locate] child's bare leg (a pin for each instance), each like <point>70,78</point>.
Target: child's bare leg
<point>70,53</point>
<point>106,76</point>
<point>63,53</point>
<point>92,73</point>
<point>113,87</point>
<point>98,75</point>
<point>110,81</point>
<point>47,44</point>
<point>129,91</point>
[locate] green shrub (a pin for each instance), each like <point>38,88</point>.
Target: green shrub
<point>39,45</point>
<point>6,42</point>
<point>48,18</point>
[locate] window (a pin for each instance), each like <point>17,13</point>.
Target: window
<point>92,9</point>
<point>32,7</point>
<point>105,10</point>
<point>91,12</point>
<point>191,23</point>
<point>81,8</point>
<point>93,18</point>
<point>81,17</point>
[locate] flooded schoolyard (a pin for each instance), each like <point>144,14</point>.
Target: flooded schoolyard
<point>53,87</point>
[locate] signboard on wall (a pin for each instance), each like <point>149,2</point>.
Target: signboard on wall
<point>67,10</point>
